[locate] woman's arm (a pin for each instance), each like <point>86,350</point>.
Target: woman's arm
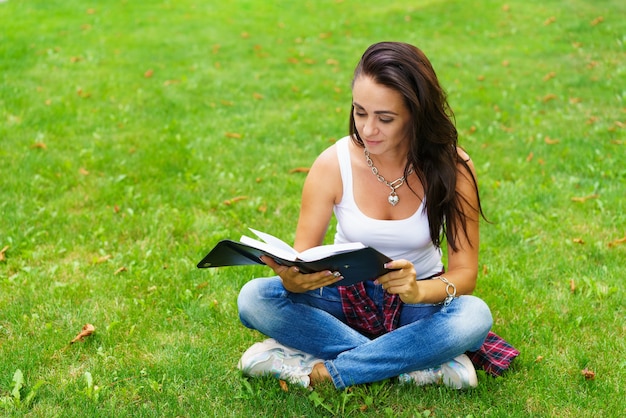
<point>322,188</point>
<point>462,268</point>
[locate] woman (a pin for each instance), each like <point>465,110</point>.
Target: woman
<point>400,184</point>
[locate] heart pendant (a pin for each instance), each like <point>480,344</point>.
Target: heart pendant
<point>393,199</point>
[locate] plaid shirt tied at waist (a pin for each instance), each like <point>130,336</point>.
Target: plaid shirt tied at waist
<point>362,314</point>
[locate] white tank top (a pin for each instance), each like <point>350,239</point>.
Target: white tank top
<point>406,238</point>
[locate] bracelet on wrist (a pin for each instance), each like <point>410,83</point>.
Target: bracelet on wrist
<point>450,291</point>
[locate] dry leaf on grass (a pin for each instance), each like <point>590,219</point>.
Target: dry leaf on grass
<point>617,241</point>
<point>234,200</point>
<point>585,198</point>
<point>2,252</point>
<point>283,386</point>
<point>589,374</point>
<point>299,170</point>
<point>87,330</point>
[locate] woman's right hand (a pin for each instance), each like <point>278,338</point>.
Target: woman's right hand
<point>297,282</point>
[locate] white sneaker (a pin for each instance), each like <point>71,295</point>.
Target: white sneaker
<point>270,358</point>
<point>458,373</point>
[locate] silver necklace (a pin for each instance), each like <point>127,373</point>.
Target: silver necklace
<point>393,198</point>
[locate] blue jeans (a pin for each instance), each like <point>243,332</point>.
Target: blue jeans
<point>428,335</point>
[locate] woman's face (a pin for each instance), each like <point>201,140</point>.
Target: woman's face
<point>381,117</point>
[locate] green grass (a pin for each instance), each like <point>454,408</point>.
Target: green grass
<point>134,135</point>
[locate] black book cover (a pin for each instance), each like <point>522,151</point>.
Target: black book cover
<point>355,266</point>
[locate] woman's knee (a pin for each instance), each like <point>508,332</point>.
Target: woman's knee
<point>255,294</point>
<point>476,315</point>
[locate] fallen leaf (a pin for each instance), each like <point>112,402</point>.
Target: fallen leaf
<point>39,145</point>
<point>91,11</point>
<point>578,241</point>
<point>87,330</point>
<point>591,120</point>
<point>617,241</point>
<point>548,97</point>
<point>572,286</point>
<point>549,76</point>
<point>331,61</point>
<point>149,73</point>
<point>549,21</point>
<point>83,94</point>
<point>234,199</point>
<point>245,35</point>
<point>283,386</point>
<point>485,269</point>
<point>529,157</point>
<point>83,171</point>
<point>3,252</point>
<point>589,374</point>
<point>597,20</point>
<point>539,359</point>
<point>257,96</point>
<point>120,270</point>
<point>234,135</point>
<point>299,170</point>
<point>505,63</point>
<point>506,8</point>
<point>103,259</point>
<point>585,198</point>
<point>575,100</point>
<point>550,141</point>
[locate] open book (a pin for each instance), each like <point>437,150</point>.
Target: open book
<point>355,261</point>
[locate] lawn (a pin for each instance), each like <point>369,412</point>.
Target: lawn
<point>135,135</point>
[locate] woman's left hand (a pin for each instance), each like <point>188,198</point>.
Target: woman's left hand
<point>402,281</point>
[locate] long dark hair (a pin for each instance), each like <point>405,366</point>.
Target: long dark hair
<point>433,136</point>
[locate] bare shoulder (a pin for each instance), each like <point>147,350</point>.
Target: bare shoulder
<point>463,155</point>
<point>324,178</point>
<point>326,166</point>
<point>327,159</point>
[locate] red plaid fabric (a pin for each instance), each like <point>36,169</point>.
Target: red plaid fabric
<point>495,355</point>
<point>362,314</point>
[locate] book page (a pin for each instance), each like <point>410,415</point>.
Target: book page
<point>323,251</point>
<point>281,249</point>
<point>275,242</point>
<point>278,252</point>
